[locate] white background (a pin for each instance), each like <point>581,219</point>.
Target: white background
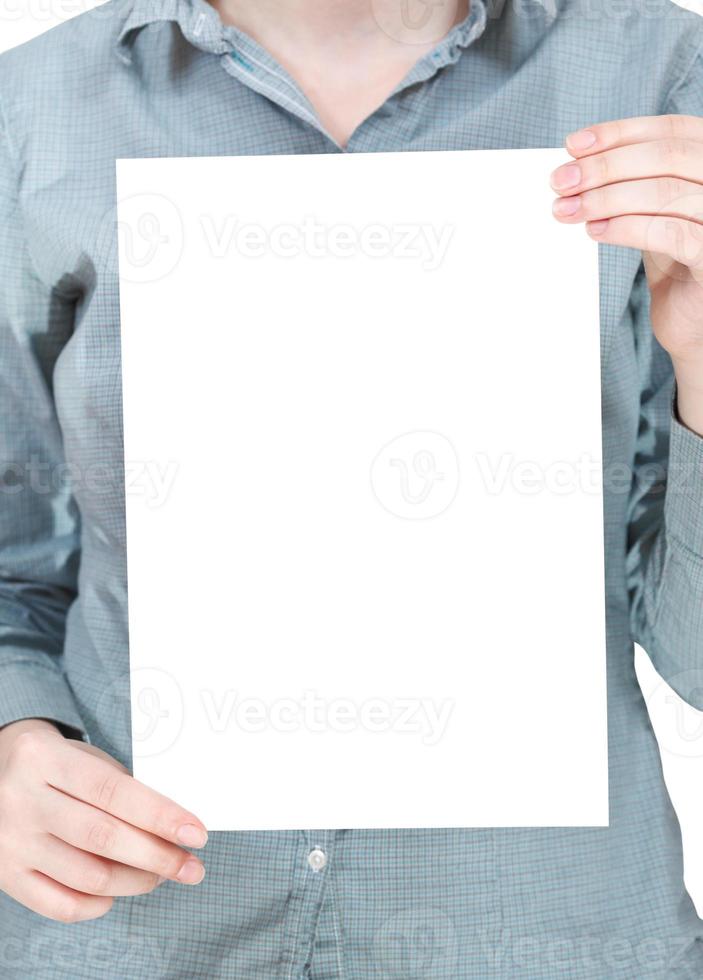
<point>679,727</point>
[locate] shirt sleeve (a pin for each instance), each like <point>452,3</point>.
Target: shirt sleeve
<point>665,526</point>
<point>665,559</point>
<point>39,535</point>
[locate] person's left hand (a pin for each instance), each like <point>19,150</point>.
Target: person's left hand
<point>639,183</point>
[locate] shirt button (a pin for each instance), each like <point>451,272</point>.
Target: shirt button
<point>317,859</point>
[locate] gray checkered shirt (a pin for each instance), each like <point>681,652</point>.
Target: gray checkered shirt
<point>140,78</point>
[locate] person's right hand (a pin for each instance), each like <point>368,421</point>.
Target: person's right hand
<point>76,829</point>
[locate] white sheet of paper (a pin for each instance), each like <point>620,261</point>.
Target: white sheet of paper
<point>364,505</point>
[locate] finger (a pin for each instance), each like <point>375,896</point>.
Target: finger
<point>85,872</point>
<point>95,751</point>
<point>677,238</point>
<point>55,901</point>
<point>108,788</point>
<point>90,829</point>
<point>658,195</point>
<point>642,129</point>
<point>663,158</point>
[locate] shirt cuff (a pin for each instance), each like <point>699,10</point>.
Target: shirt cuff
<point>684,496</point>
<point>29,689</point>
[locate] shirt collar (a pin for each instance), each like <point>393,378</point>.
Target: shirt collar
<point>197,19</point>
<point>201,25</point>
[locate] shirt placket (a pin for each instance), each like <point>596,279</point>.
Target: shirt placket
<point>249,63</point>
<point>311,934</point>
<point>314,868</point>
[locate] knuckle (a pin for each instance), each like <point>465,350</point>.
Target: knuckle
<point>27,747</point>
<point>150,883</point>
<point>617,133</point>
<point>595,203</point>
<point>104,791</point>
<point>672,189</point>
<point>71,910</point>
<point>672,150</point>
<point>167,864</point>
<point>68,910</point>
<point>675,236</point>
<point>679,126</point>
<point>99,881</point>
<point>587,205</point>
<point>167,820</point>
<point>100,836</point>
<point>666,148</point>
<point>604,168</point>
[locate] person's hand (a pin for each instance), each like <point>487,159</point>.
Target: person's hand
<point>639,183</point>
<point>76,829</point>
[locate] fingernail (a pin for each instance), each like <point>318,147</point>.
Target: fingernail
<point>564,207</point>
<point>567,176</point>
<point>597,228</point>
<point>192,872</point>
<point>581,140</point>
<point>191,836</point>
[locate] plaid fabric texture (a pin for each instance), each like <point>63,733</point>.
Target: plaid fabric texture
<point>139,78</point>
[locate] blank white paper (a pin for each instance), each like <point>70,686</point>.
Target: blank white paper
<point>363,488</point>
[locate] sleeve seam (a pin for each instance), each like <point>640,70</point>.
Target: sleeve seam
<point>11,149</point>
<point>681,546</point>
<point>13,157</point>
<point>679,83</point>
<point>28,662</point>
<point>659,603</point>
